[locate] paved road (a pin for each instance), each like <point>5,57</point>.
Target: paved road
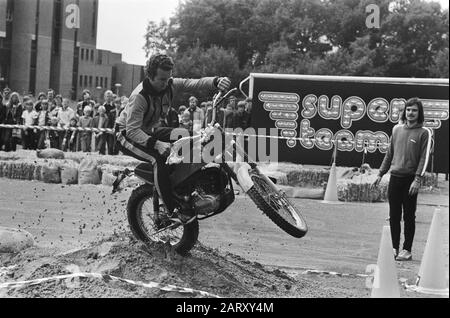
<point>343,237</point>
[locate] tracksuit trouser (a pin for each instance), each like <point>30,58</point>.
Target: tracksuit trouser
<point>400,202</point>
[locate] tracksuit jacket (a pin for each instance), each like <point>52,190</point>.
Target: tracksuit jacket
<point>409,151</point>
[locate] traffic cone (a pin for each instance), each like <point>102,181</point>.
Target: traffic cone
<point>432,275</point>
<point>385,283</point>
<point>331,195</point>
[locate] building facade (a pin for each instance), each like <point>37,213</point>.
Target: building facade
<point>52,44</point>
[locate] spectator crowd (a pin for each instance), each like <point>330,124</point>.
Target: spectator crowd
<point>51,109</point>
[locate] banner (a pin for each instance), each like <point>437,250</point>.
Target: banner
<point>312,112</point>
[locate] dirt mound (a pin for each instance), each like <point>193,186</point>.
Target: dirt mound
<point>120,256</point>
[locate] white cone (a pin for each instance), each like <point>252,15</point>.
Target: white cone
<point>331,195</point>
<point>385,282</point>
<point>432,277</point>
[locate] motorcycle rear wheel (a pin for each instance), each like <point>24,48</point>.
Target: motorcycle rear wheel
<point>141,212</point>
<point>276,206</point>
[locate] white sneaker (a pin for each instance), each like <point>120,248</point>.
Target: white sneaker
<point>404,256</point>
<point>395,253</point>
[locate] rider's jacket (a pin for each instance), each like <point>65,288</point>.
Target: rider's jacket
<point>146,107</point>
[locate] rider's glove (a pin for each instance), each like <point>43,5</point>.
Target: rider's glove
<point>223,83</point>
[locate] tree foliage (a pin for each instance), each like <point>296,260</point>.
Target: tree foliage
<point>328,37</point>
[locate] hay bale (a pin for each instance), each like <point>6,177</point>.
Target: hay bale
<point>307,177</point>
<point>51,172</point>
<point>359,189</point>
<point>89,172</point>
<point>69,172</point>
<point>50,153</point>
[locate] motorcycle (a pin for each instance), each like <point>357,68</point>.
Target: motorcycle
<point>203,190</point>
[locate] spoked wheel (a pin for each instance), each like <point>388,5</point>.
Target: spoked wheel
<point>150,222</point>
<point>276,206</point>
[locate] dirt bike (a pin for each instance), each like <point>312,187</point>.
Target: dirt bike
<point>201,191</point>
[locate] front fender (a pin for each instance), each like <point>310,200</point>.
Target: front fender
<point>241,169</point>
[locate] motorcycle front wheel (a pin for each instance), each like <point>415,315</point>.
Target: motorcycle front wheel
<point>276,206</point>
<point>147,217</point>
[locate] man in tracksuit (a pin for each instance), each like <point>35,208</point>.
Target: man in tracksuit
<point>407,157</point>
<point>140,129</point>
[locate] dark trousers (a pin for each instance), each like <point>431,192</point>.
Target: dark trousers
<point>28,139</point>
<point>401,202</point>
<point>129,148</point>
<point>110,141</point>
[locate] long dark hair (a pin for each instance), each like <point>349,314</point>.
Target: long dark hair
<point>411,102</point>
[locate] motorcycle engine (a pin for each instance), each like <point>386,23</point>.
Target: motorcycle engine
<point>204,203</point>
<point>203,190</point>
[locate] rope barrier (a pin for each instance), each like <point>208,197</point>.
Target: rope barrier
<point>111,131</point>
<point>52,128</point>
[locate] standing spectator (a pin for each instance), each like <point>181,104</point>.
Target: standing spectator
<point>181,111</point>
<point>85,136</point>
<point>6,95</point>
<point>241,117</point>
<point>70,142</point>
<point>43,120</point>
<point>64,116</point>
<point>13,116</point>
<point>228,116</point>
<point>233,102</point>
<point>208,113</point>
<point>407,156</point>
<point>186,121</point>
<point>86,100</point>
<point>197,116</point>
<point>29,118</point>
<point>41,97</point>
<point>100,121</point>
<point>2,119</point>
<point>51,98</point>
<point>56,106</point>
<point>111,114</point>
<point>53,135</point>
<point>115,114</point>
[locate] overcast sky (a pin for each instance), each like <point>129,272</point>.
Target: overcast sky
<point>122,24</point>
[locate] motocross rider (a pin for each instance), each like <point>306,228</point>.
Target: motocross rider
<point>141,129</point>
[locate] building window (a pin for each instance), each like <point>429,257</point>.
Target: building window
<point>92,55</point>
<point>82,54</point>
<point>85,80</point>
<point>101,81</point>
<point>81,80</point>
<point>90,81</point>
<point>106,82</point>
<point>96,81</point>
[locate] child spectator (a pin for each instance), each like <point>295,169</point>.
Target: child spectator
<point>29,118</point>
<point>41,97</point>
<point>70,142</point>
<point>186,121</point>
<point>43,120</point>
<point>228,116</point>
<point>53,135</point>
<point>85,136</point>
<point>241,117</point>
<point>181,111</point>
<point>100,121</point>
